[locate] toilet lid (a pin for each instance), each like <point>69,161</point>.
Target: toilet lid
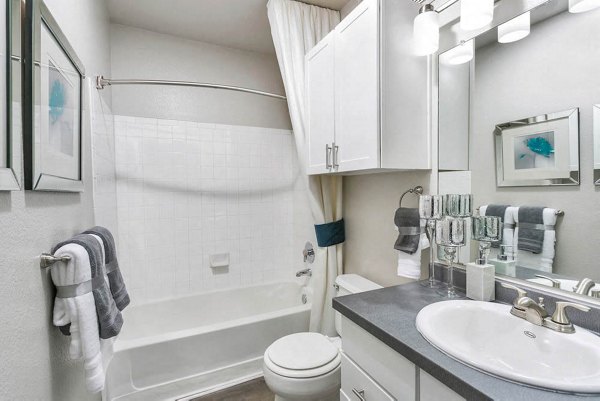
<point>302,351</point>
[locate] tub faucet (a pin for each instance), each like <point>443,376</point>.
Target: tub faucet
<point>304,272</point>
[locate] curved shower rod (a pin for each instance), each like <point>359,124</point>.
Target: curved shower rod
<point>102,82</point>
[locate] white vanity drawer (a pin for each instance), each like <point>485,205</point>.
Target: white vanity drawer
<point>358,386</point>
<point>391,370</point>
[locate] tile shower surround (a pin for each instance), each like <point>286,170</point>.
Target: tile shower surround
<point>188,190</point>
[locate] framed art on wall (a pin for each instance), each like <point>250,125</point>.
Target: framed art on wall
<point>538,151</point>
<point>53,110</point>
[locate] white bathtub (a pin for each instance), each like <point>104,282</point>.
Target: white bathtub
<point>172,349</point>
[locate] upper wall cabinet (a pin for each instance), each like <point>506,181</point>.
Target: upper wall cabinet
<point>367,94</point>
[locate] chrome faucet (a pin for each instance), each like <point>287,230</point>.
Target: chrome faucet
<point>526,308</point>
<point>584,286</point>
<point>304,272</point>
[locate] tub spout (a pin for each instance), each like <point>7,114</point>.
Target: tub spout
<point>304,272</point>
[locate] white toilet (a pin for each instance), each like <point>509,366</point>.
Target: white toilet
<point>306,366</point>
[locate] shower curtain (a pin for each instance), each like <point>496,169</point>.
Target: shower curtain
<point>296,27</point>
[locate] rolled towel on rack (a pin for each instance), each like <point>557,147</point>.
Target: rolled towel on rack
<point>544,260</point>
<point>115,278</point>
<point>79,312</point>
<point>109,317</point>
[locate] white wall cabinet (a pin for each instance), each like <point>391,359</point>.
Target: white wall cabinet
<point>367,94</point>
<point>372,371</point>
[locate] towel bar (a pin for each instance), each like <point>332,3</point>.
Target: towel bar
<point>47,260</point>
<point>558,212</point>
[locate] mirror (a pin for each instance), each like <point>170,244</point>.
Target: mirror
<point>517,105</point>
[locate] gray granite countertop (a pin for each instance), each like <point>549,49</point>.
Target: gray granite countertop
<point>389,314</point>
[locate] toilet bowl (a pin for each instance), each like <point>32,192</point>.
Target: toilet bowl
<point>306,366</point>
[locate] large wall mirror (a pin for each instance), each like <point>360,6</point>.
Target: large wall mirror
<point>517,104</point>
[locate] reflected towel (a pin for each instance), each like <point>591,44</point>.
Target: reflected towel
<point>545,259</point>
<point>530,239</point>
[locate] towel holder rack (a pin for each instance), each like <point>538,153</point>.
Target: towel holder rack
<point>47,259</point>
<point>558,212</point>
<point>418,190</point>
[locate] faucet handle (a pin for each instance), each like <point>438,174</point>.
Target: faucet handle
<point>560,315</point>
<point>520,294</point>
<point>555,283</point>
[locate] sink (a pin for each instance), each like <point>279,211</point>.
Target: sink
<point>487,337</point>
<point>566,285</point>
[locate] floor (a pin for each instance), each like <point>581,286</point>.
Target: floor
<point>253,390</point>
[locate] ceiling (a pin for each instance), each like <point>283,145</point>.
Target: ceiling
<point>241,24</point>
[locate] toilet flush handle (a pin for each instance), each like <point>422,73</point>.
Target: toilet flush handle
<point>360,394</point>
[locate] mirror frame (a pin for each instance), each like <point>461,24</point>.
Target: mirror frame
<point>596,118</point>
<point>8,176</point>
<point>573,117</point>
<point>36,14</point>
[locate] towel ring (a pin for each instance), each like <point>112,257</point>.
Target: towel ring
<point>418,190</point>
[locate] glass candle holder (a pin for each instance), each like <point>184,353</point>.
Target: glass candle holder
<point>431,209</point>
<point>458,205</point>
<point>451,235</point>
<point>486,229</point>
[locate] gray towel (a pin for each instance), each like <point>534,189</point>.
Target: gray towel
<point>109,317</point>
<point>409,230</point>
<point>531,239</point>
<point>115,279</point>
<point>497,211</point>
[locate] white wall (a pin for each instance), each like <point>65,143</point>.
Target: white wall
<point>34,354</point>
<point>143,54</point>
<point>554,69</point>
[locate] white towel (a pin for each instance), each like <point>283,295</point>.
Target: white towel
<point>508,230</point>
<point>409,266</point>
<point>80,312</point>
<point>541,261</point>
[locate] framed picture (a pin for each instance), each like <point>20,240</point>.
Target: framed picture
<point>596,144</point>
<point>53,110</point>
<point>538,151</point>
<point>8,177</point>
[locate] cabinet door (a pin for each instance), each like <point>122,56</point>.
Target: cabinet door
<point>357,89</point>
<point>320,88</point>
<point>433,390</point>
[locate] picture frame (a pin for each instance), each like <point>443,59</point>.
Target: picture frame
<point>8,176</point>
<point>52,107</point>
<point>538,151</point>
<point>596,113</point>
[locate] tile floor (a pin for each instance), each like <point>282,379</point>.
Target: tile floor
<point>254,390</point>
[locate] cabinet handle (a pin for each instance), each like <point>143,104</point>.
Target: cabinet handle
<point>360,394</point>
<point>328,156</point>
<point>336,149</point>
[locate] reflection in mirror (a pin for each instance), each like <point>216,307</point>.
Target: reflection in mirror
<point>518,72</point>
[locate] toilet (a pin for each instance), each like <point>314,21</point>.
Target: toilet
<point>306,366</point>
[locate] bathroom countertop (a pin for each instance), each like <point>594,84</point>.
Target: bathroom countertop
<point>389,314</point>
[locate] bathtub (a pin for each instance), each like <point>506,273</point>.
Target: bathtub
<point>174,349</point>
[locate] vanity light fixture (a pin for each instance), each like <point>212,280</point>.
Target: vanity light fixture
<point>460,54</point>
<point>426,31</point>
<point>475,14</point>
<point>581,6</point>
<point>515,29</point>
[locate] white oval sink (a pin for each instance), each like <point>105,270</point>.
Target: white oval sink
<point>487,337</point>
<point>566,285</point>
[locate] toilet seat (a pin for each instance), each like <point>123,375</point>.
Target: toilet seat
<point>302,355</point>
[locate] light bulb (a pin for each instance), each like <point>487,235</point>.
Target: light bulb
<point>581,6</point>
<point>515,29</point>
<point>426,31</point>
<point>460,54</point>
<point>475,14</point>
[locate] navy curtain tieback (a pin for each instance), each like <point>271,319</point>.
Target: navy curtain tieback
<point>330,234</point>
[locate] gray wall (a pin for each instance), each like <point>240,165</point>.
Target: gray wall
<point>137,53</point>
<point>554,69</point>
<point>34,356</point>
<point>370,202</point>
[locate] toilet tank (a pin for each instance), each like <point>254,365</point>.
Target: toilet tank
<point>351,284</point>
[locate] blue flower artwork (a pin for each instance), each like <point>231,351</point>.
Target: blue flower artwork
<point>60,110</point>
<point>57,100</point>
<point>534,151</point>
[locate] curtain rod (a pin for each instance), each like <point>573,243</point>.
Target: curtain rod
<point>102,82</point>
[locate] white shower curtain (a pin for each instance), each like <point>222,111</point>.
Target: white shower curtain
<point>296,27</point>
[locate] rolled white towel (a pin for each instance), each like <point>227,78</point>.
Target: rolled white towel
<point>543,261</point>
<point>409,266</point>
<point>80,312</point>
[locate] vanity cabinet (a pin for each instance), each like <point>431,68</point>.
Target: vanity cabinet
<point>372,371</point>
<point>367,94</point>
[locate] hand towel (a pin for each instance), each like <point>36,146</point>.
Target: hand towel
<point>408,222</point>
<point>409,265</point>
<point>117,284</point>
<point>508,229</point>
<point>80,313</point>
<point>497,211</point>
<point>531,237</point>
<point>109,316</point>
<point>545,259</point>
